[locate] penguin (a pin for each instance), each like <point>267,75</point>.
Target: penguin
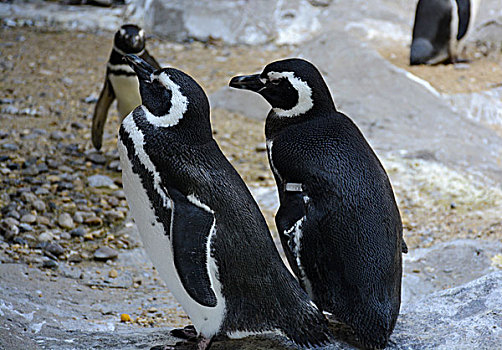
<point>338,220</point>
<point>440,29</point>
<point>121,82</point>
<point>199,223</point>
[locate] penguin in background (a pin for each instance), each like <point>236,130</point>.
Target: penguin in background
<point>338,220</point>
<point>121,82</point>
<point>440,29</point>
<point>199,223</point>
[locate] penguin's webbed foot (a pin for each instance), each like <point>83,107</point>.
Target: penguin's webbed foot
<point>189,333</point>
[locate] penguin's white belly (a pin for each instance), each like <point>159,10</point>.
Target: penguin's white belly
<point>207,320</point>
<point>126,88</point>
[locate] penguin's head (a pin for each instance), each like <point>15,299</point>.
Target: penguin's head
<point>130,39</point>
<point>293,87</point>
<point>171,97</point>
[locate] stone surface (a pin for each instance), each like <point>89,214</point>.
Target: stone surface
<point>243,102</point>
<point>100,181</point>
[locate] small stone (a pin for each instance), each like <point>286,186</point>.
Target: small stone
<point>42,191</point>
<point>113,273</point>
<point>29,218</point>
<point>152,309</point>
<point>125,318</point>
<point>78,126</point>
<point>38,205</point>
<point>97,158</point>
<point>261,147</point>
<point>45,236</point>
<point>65,221</point>
<point>10,147</point>
<point>78,232</point>
<point>74,257</point>
<point>78,218</point>
<point>100,181</point>
<point>64,235</point>
<point>120,194</point>
<point>28,197</point>
<point>43,220</point>
<point>93,221</point>
<point>50,264</point>
<point>57,135</point>
<point>105,253</point>
<point>54,248</point>
<point>25,227</point>
<point>115,165</point>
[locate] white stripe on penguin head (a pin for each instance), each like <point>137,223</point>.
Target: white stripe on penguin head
<point>179,104</point>
<point>304,103</point>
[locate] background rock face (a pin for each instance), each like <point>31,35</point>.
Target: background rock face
<point>438,137</point>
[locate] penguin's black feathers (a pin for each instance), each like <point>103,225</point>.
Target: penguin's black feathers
<point>209,199</point>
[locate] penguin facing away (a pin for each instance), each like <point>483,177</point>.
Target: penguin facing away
<point>440,29</point>
<point>121,82</point>
<point>199,223</point>
<point>338,220</point>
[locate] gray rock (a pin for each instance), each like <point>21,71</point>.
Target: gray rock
<point>78,232</point>
<point>444,266</point>
<point>25,227</point>
<point>465,317</point>
<point>65,221</point>
<point>45,236</point>
<point>29,218</point>
<point>100,181</point>
<point>247,103</point>
<point>39,205</point>
<point>28,197</point>
<point>105,253</point>
<point>57,135</point>
<point>97,158</point>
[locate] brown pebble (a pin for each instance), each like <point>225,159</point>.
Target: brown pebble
<point>93,221</point>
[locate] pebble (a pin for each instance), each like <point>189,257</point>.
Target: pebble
<point>78,218</point>
<point>50,264</point>
<point>119,194</point>
<point>113,273</point>
<point>105,253</point>
<point>13,214</point>
<point>54,248</point>
<point>42,191</point>
<point>28,197</point>
<point>57,135</point>
<point>29,218</point>
<point>115,165</point>
<point>38,205</point>
<point>100,181</point>
<point>65,221</point>
<point>25,227</point>
<point>10,147</point>
<point>93,221</point>
<point>261,147</point>
<point>43,220</point>
<point>97,158</point>
<point>45,236</point>
<point>78,232</point>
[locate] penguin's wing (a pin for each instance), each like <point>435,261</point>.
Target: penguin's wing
<point>191,228</point>
<point>150,60</point>
<point>464,14</point>
<point>290,214</point>
<point>106,98</point>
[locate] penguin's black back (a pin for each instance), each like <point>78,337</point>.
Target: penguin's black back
<point>355,243</point>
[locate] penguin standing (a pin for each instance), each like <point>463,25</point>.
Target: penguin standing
<point>338,220</point>
<point>199,223</point>
<point>440,29</point>
<point>121,81</point>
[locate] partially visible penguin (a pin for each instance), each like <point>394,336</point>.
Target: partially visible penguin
<point>440,29</point>
<point>121,82</point>
<point>338,220</point>
<point>199,223</point>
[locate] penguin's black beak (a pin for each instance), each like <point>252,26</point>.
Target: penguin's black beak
<point>247,82</point>
<point>143,70</point>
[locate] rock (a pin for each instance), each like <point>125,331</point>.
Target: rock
<point>45,236</point>
<point>100,181</point>
<point>444,266</point>
<point>78,232</point>
<point>53,248</point>
<point>28,197</point>
<point>57,135</point>
<point>246,103</point>
<point>262,147</point>
<point>104,253</point>
<point>65,221</point>
<point>78,218</point>
<point>39,205</point>
<point>93,221</point>
<point>50,263</point>
<point>43,220</point>
<point>29,218</point>
<point>13,214</point>
<point>97,158</point>
<point>467,316</point>
<point>119,194</point>
<point>115,165</point>
<point>25,227</point>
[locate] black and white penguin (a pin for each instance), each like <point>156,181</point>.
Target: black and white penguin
<point>338,220</point>
<point>199,223</point>
<point>440,29</point>
<point>121,82</point>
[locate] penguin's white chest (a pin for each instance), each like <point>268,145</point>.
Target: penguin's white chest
<point>207,320</point>
<point>126,88</point>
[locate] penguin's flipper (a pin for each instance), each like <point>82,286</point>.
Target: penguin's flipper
<point>106,98</point>
<point>291,211</point>
<point>192,225</point>
<point>150,60</point>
